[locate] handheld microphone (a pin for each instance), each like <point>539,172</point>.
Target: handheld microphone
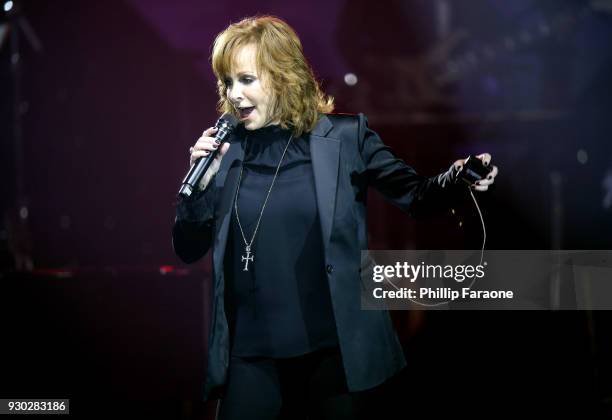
<point>225,124</point>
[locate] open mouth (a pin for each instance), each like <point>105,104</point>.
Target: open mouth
<point>245,112</point>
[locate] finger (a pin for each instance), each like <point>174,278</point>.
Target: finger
<point>484,182</point>
<point>222,151</point>
<point>205,143</point>
<point>493,173</point>
<point>196,155</point>
<point>485,158</point>
<point>209,131</point>
<point>205,139</point>
<point>476,187</point>
<point>199,153</point>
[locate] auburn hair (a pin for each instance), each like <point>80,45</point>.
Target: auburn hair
<point>297,99</point>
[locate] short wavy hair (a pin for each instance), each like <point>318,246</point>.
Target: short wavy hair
<point>297,99</point>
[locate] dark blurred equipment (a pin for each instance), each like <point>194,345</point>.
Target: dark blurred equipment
<point>473,170</point>
<point>431,62</point>
<point>13,24</point>
<point>19,239</point>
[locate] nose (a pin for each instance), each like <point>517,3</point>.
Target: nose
<point>235,94</point>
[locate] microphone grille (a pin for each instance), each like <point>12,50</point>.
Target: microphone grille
<point>229,119</point>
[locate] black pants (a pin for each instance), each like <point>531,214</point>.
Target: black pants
<point>311,386</point>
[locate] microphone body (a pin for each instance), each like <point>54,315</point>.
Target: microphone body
<point>226,125</point>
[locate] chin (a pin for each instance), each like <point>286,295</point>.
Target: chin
<point>252,125</point>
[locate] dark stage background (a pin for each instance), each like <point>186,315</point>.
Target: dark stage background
<point>99,102</point>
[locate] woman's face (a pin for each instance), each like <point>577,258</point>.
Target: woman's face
<point>246,91</point>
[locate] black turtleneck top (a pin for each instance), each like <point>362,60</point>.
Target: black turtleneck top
<point>281,306</point>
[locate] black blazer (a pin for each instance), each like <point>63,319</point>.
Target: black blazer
<point>347,157</point>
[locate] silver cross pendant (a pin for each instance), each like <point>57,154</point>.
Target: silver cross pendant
<point>248,258</point>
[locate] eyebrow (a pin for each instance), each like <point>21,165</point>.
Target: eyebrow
<point>244,73</point>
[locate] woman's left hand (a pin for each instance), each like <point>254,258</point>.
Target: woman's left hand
<point>484,183</point>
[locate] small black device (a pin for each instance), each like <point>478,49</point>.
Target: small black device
<point>473,170</point>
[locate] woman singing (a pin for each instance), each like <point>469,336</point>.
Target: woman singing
<point>283,208</point>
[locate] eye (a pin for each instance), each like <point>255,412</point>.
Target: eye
<point>227,83</point>
<point>247,80</point>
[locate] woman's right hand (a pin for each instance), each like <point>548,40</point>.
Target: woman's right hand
<point>203,147</point>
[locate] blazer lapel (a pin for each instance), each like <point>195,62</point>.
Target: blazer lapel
<point>235,156</point>
<point>325,155</point>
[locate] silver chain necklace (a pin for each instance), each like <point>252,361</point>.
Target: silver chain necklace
<point>247,244</point>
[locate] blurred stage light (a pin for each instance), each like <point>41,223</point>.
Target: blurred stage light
<point>8,5</point>
<point>582,156</point>
<point>350,79</point>
<point>166,269</point>
<point>544,28</point>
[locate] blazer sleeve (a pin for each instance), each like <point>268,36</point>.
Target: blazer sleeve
<point>399,183</point>
<point>193,230</point>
